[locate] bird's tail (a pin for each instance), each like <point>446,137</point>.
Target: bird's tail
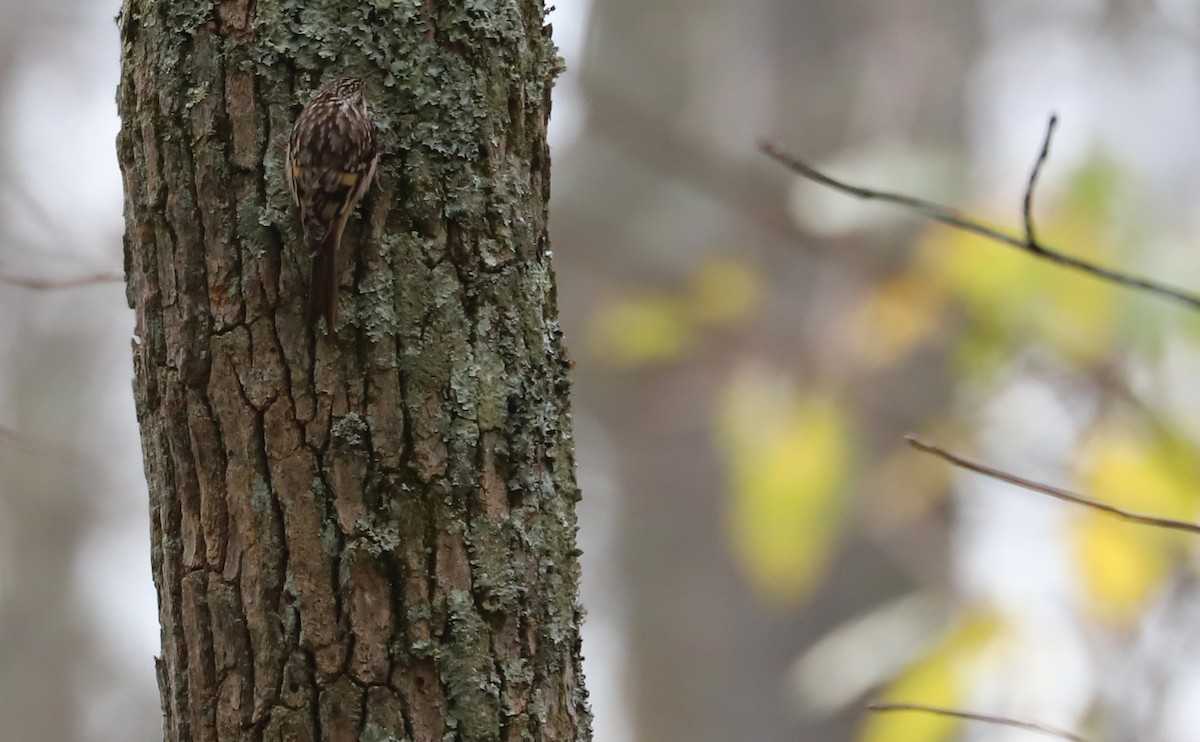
<point>323,284</point>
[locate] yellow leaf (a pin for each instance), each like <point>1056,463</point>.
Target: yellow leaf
<point>1079,316</point>
<point>1122,565</point>
<point>641,330</point>
<point>787,460</point>
<point>895,316</point>
<point>1153,474</point>
<point>723,291</point>
<point>988,276</point>
<point>1080,319</point>
<point>944,677</point>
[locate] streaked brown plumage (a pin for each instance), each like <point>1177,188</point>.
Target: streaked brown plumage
<point>331,159</point>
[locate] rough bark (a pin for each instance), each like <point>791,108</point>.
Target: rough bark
<point>367,534</point>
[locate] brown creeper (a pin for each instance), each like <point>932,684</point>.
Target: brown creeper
<point>331,159</point>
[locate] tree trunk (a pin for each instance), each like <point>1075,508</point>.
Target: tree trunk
<point>366,534</point>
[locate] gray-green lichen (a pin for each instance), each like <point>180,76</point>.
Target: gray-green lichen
<point>473,688</point>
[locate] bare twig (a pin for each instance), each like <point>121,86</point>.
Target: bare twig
<point>951,217</point>
<point>1056,492</point>
<point>43,284</point>
<point>1030,240</point>
<point>33,444</point>
<point>972,716</point>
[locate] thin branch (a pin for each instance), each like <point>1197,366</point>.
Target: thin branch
<point>1056,492</point>
<point>669,152</point>
<point>971,716</point>
<point>43,284</point>
<point>1031,240</point>
<point>951,217</point>
<point>33,444</point>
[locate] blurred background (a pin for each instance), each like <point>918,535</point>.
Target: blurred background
<point>763,554</point>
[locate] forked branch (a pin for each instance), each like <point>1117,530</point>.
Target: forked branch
<point>1028,242</point>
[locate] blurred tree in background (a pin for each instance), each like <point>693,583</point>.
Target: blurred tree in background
<point>717,320</point>
<point>823,331</point>
<point>762,553</point>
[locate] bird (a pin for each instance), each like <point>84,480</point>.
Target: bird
<point>332,154</point>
